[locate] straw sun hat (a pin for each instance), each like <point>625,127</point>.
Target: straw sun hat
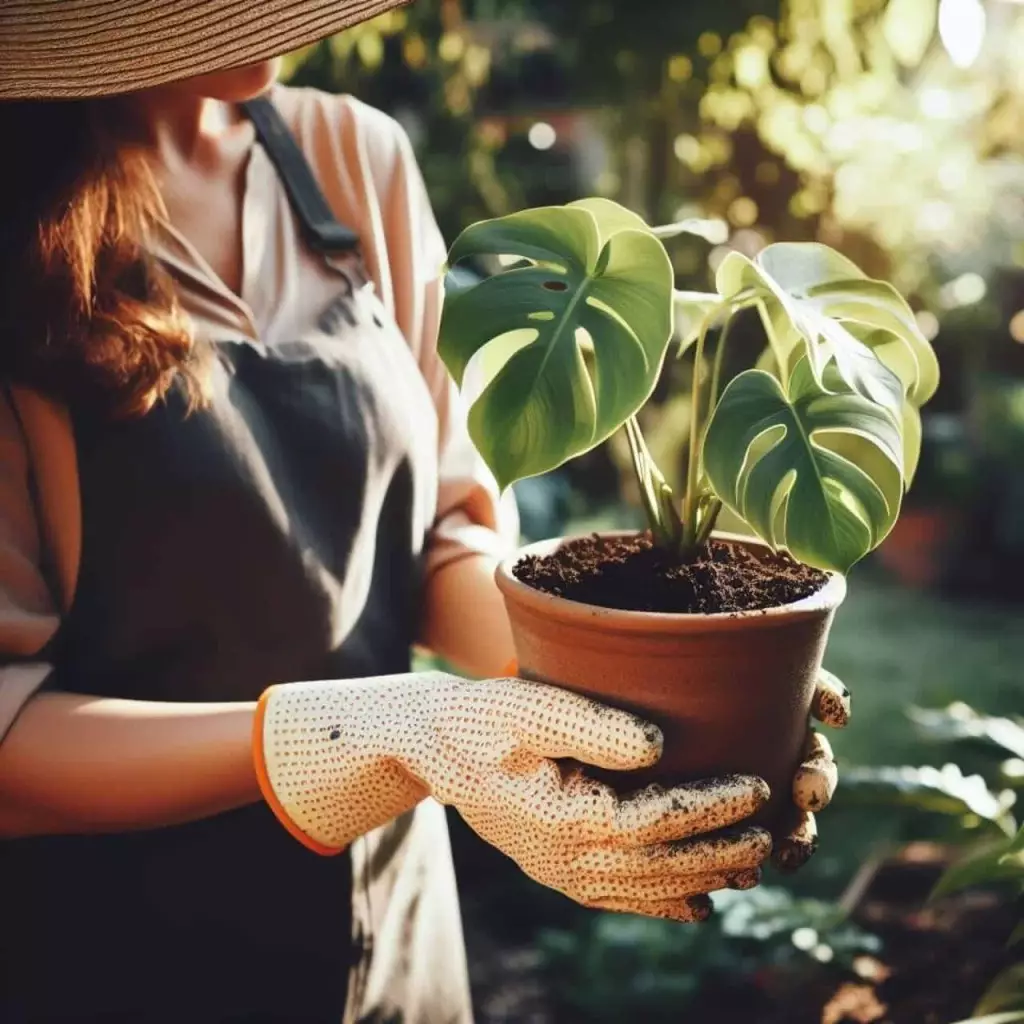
<point>61,49</point>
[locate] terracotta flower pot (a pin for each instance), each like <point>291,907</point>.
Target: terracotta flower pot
<point>731,692</point>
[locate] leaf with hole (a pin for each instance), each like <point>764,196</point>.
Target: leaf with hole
<point>596,273</point>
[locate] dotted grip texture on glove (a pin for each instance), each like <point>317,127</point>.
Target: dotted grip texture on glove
<point>337,759</point>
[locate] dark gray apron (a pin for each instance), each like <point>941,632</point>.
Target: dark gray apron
<point>274,536</point>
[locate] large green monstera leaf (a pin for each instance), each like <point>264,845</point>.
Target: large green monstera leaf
<point>816,303</point>
<point>590,276</point>
<point>815,467</point>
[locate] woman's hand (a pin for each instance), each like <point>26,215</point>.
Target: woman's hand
<point>337,759</point>
<point>816,778</point>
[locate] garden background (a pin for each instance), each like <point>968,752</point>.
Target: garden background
<point>894,132</point>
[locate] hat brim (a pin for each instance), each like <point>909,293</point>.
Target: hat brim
<point>70,49</point>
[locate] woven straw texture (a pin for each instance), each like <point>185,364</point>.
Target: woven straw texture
<point>62,49</point>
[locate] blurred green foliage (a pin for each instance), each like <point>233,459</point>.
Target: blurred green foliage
<point>617,968</point>
<point>774,119</point>
<point>610,969</point>
<point>470,78</point>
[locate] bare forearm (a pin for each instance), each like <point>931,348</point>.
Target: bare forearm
<point>465,619</point>
<point>76,764</point>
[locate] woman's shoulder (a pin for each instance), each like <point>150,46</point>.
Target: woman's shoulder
<point>364,161</point>
<point>344,126</point>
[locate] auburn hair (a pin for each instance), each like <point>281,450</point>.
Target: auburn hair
<point>86,314</point>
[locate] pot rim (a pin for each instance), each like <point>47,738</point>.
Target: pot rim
<point>822,601</point>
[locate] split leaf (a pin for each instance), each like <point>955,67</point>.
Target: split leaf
<point>597,278</point>
<point>818,471</point>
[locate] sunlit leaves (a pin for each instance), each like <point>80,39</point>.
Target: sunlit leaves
<point>816,302</point>
<point>858,338</point>
<point>959,722</point>
<point>814,450</point>
<point>909,27</point>
<point>591,271</point>
<point>943,790</point>
<point>768,457</point>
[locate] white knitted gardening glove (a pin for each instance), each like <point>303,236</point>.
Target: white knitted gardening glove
<point>817,776</point>
<point>337,759</point>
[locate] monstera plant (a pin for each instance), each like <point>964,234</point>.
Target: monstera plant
<point>812,448</point>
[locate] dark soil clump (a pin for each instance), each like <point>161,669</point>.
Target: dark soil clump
<point>629,573</point>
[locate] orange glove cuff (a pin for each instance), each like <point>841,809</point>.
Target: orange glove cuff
<point>267,791</point>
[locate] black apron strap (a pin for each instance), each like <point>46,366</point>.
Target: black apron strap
<point>321,228</point>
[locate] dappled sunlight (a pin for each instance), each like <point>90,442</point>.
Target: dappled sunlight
<point>839,422</point>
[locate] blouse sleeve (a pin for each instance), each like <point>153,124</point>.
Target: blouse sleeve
<point>472,516</point>
<point>28,608</point>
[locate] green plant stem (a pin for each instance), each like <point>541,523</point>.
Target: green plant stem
<point>641,469</point>
<point>690,499</point>
<point>696,533</point>
<point>659,502</point>
<point>710,514</point>
<point>698,520</point>
<point>716,369</point>
<point>707,523</point>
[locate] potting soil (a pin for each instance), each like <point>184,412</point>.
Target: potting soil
<point>631,574</point>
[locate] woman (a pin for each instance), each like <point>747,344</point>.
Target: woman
<point>231,464</point>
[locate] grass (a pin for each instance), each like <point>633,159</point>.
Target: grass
<point>894,647</point>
